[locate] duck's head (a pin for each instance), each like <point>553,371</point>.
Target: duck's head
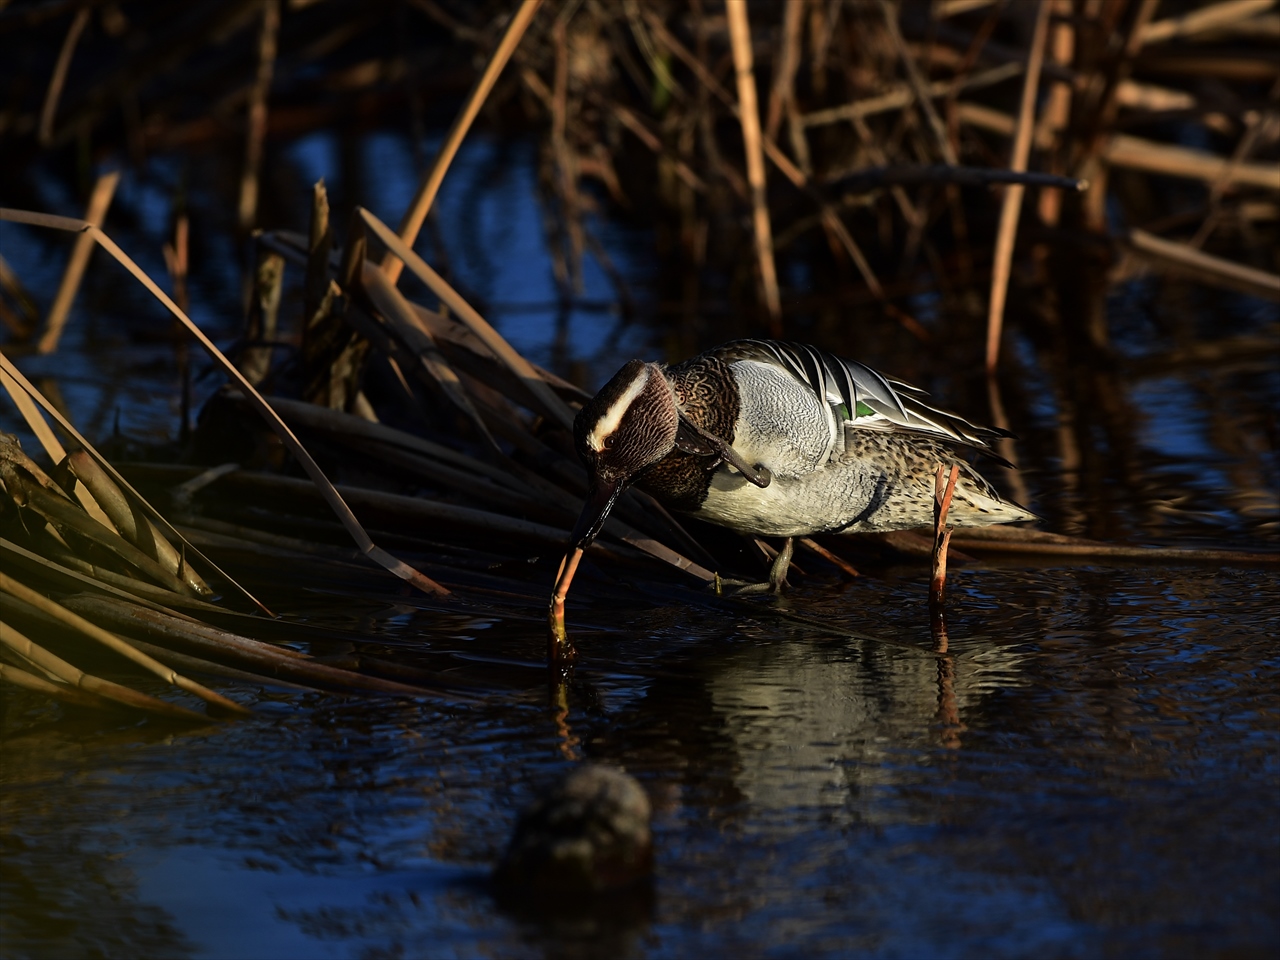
<point>627,427</point>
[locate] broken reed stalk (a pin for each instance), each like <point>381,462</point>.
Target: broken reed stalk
<point>1139,153</point>
<point>1186,258</point>
<point>14,376</point>
<point>99,202</point>
<point>1012,207</point>
<point>294,445</point>
<point>749,117</point>
<point>942,492</point>
<point>426,194</point>
<point>1209,17</point>
<point>133,523</point>
<point>43,433</point>
<point>400,317</point>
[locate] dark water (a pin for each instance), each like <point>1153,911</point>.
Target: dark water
<point>1090,769</point>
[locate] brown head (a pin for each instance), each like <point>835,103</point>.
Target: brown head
<point>626,428</point>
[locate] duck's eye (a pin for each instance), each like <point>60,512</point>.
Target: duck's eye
<point>609,442</point>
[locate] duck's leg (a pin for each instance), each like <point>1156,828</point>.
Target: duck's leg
<point>781,564</point>
<point>777,574</point>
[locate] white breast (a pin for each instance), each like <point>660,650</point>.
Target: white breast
<point>782,424</point>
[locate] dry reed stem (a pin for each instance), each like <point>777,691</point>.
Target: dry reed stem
<point>903,96</point>
<point>1206,18</point>
<point>99,202</point>
<point>782,91</point>
<point>1062,546</point>
<point>177,257</point>
<point>628,119</point>
<point>120,613</point>
<point>331,496</point>
<point>569,274</point>
<point>1123,150</point>
<point>120,646</point>
<point>267,662</point>
<point>62,513</point>
<point>1138,153</point>
<point>1205,266</point>
<point>771,150</point>
<point>952,8</point>
<point>400,317</point>
<point>29,681</point>
<point>59,77</point>
<point>316,282</point>
<point>918,86</point>
<point>1257,127</point>
<point>430,511</point>
<point>256,127</point>
<point>264,311</point>
<point>22,322</point>
<point>12,374</point>
<point>810,544</point>
<point>48,440</point>
<point>344,425</point>
<point>50,570</point>
<point>414,217</point>
<point>518,365</point>
<point>749,117</point>
<point>1012,206</point>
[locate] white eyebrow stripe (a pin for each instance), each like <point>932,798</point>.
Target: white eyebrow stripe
<point>613,416</point>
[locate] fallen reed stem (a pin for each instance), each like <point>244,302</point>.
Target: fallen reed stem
<point>64,616</point>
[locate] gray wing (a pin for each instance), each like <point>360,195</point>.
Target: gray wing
<point>867,399</point>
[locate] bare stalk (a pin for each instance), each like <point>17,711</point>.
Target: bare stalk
<point>247,210</point>
<point>99,202</point>
<point>749,117</point>
<point>430,186</point>
<point>59,78</point>
<point>1013,194</point>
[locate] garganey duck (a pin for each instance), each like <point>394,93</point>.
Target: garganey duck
<point>775,439</point>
